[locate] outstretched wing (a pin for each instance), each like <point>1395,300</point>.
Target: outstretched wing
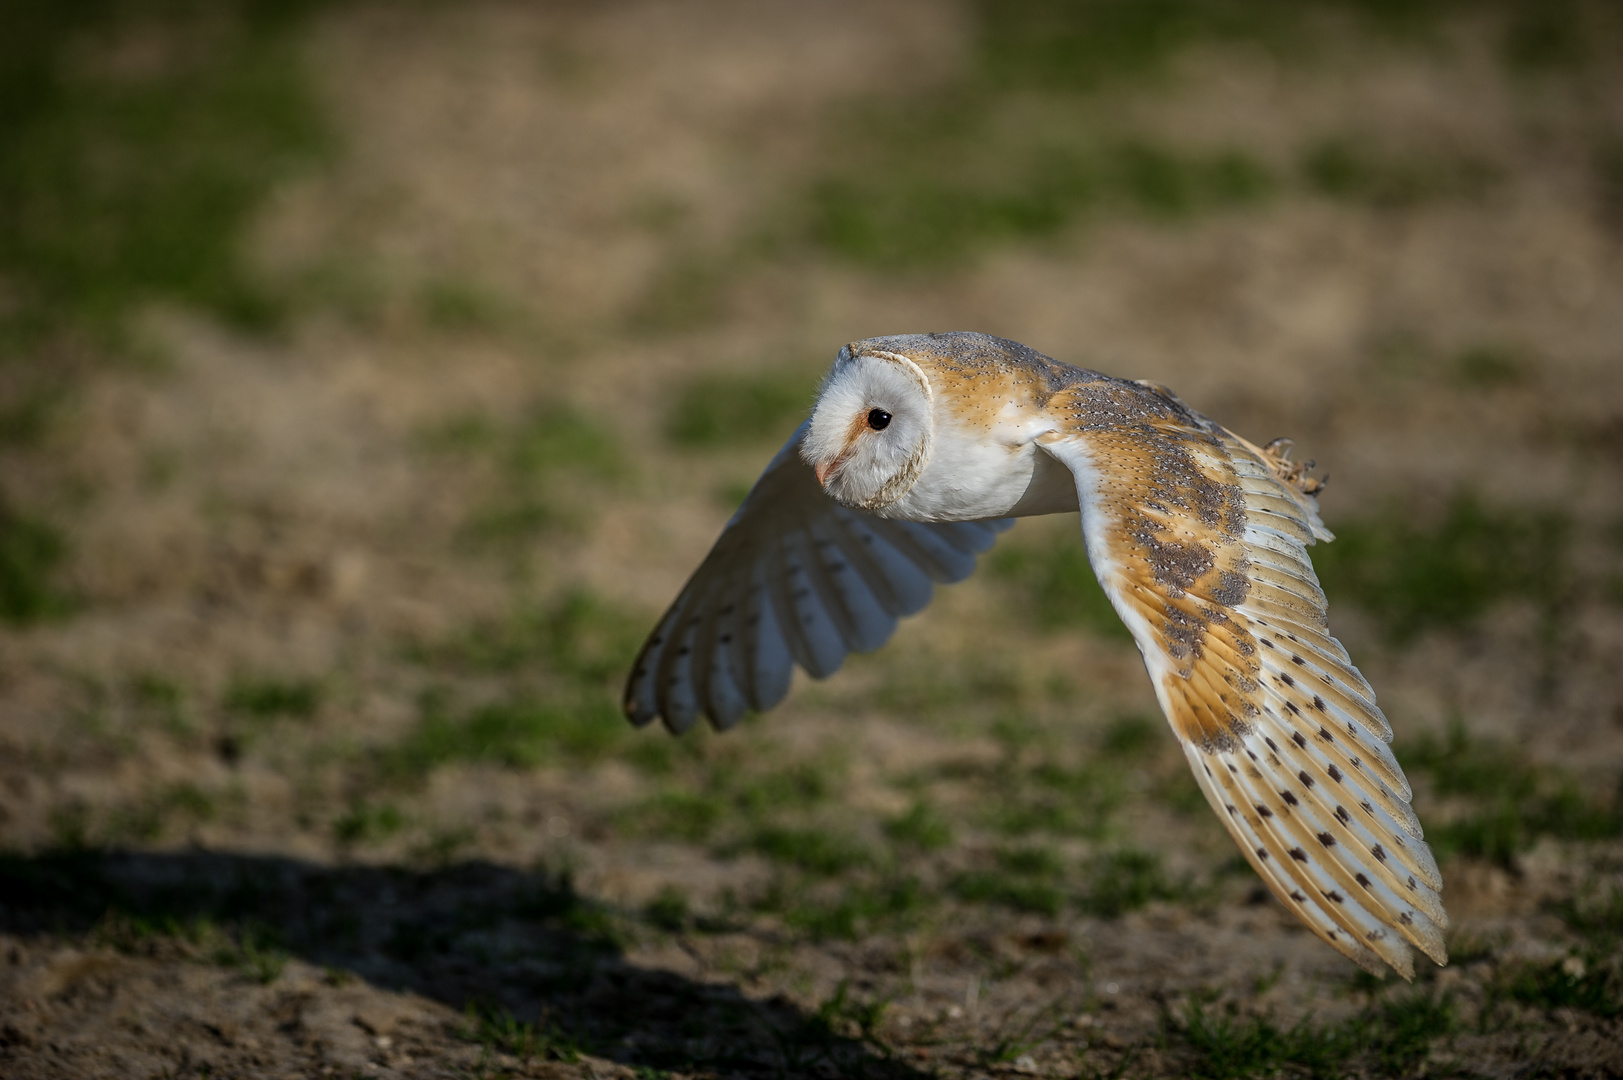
<point>795,578</point>
<point>1199,539</point>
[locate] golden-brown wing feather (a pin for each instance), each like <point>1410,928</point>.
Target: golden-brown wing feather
<point>1199,538</point>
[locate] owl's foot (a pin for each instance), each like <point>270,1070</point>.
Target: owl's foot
<point>1277,454</point>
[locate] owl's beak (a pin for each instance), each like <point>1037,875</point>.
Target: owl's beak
<point>828,467</point>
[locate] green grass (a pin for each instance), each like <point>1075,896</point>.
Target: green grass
<point>161,699</point>
<point>819,851</point>
<point>1053,584</point>
<point>69,825</point>
<point>555,902</point>
<point>1509,802</point>
<point>32,553</point>
<point>1481,367</point>
<point>1353,169</point>
<point>856,910</point>
<point>251,947</point>
<point>1083,45</point>
<point>922,828</point>
<point>800,786</point>
<point>1501,828</point>
<point>654,756</point>
<point>1172,185</point>
<point>1177,791</point>
<point>150,818</point>
<point>1133,737</point>
<point>1055,799</point>
<point>531,468</point>
<point>1018,149</point>
<point>442,846</point>
<point>1035,879</point>
<point>498,1031</point>
<point>190,800</point>
<point>1606,168</point>
<point>1126,880</point>
<point>932,205</point>
<point>1596,916</point>
<point>668,910</point>
<point>1491,366</point>
<point>849,1014</point>
<point>1590,982</point>
<point>259,955</point>
<point>367,823</point>
<point>931,209</point>
<point>1030,862</point>
<point>137,144</point>
<point>678,814</point>
<point>518,733</point>
<point>887,220</point>
<point>27,411</point>
<point>1415,572</point>
<point>699,800</point>
<point>459,306</point>
<point>925,688</point>
<point>1017,894</point>
<point>577,637</point>
<point>271,698</point>
<point>1387,1039</point>
<point>1553,36</point>
<point>552,437</point>
<point>1025,879</point>
<point>462,435</point>
<point>829,881</point>
<point>123,183</point>
<point>739,410</point>
<point>1460,764</point>
<point>557,666</point>
<point>688,291</point>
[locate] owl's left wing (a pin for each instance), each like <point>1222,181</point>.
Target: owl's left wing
<point>794,578</point>
<point>1199,539</point>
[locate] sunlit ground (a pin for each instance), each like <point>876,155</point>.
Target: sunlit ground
<point>372,375</point>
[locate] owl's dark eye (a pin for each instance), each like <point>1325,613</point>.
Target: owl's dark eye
<point>878,419</point>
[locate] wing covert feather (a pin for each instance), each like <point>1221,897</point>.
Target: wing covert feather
<point>794,578</point>
<point>1199,539</point>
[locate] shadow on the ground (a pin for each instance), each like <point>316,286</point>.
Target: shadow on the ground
<point>502,943</point>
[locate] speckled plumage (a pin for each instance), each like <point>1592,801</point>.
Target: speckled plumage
<point>1197,536</point>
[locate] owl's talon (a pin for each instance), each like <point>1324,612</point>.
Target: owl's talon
<point>1277,453</point>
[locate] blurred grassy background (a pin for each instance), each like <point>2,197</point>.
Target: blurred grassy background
<point>370,375</point>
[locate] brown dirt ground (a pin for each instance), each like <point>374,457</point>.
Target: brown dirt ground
<point>267,509</point>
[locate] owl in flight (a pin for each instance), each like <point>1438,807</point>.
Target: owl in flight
<point>920,450</point>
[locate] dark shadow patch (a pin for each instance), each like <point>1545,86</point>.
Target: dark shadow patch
<point>560,962</point>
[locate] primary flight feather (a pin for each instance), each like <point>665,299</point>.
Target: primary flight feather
<point>922,448</point>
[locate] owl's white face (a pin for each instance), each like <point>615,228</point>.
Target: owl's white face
<point>871,430</point>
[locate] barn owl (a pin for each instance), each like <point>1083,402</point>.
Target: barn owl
<point>920,449</point>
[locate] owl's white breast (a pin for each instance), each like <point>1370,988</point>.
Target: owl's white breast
<point>987,467</point>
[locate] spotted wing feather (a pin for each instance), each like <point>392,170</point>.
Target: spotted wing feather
<point>795,578</point>
<point>1201,544</point>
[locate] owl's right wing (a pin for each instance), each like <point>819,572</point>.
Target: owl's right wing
<point>794,578</point>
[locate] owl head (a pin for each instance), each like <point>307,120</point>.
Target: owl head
<point>871,430</point>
